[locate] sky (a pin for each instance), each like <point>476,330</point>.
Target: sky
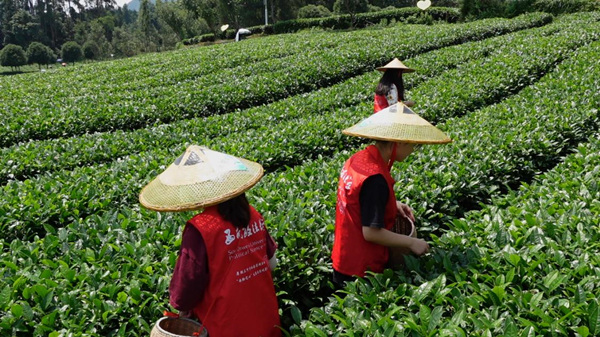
<point>120,3</point>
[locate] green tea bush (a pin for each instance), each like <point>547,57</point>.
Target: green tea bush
<point>81,201</point>
<point>216,80</point>
<point>361,20</point>
<point>527,264</point>
<point>100,266</point>
<point>557,7</point>
<point>523,265</point>
<point>20,162</point>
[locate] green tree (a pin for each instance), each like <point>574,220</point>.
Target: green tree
<point>108,24</point>
<point>229,12</point>
<point>173,17</point>
<point>98,34</point>
<point>151,30</point>
<point>313,11</point>
<point>125,44</point>
<point>329,3</point>
<point>481,9</point>
<point>288,9</point>
<point>128,16</point>
<point>71,52</point>
<point>51,20</point>
<point>351,7</point>
<point>81,30</point>
<point>91,51</point>
<point>205,9</point>
<point>252,13</point>
<point>7,10</point>
<point>143,20</point>
<point>51,55</point>
<point>393,3</point>
<point>38,53</point>
<point>181,21</point>
<point>21,29</point>
<point>13,56</point>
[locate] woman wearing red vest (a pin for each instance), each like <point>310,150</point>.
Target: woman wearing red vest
<point>390,89</point>
<point>366,203</point>
<point>223,273</point>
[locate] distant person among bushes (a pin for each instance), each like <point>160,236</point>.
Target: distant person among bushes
<point>390,89</point>
<point>367,213</point>
<point>223,273</point>
<point>241,34</point>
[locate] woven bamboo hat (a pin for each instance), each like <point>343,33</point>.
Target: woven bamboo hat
<point>396,64</point>
<point>198,179</point>
<point>398,123</point>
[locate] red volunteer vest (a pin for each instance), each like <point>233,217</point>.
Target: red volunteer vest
<point>380,103</point>
<point>352,254</point>
<point>240,297</point>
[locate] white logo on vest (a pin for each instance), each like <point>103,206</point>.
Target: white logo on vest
<point>229,238</point>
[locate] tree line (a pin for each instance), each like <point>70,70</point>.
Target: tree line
<point>40,31</point>
<point>103,30</point>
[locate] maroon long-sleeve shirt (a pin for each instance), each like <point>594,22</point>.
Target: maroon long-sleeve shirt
<point>190,277</point>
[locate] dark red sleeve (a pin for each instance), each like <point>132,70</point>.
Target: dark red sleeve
<point>190,277</point>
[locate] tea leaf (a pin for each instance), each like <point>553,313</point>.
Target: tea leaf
<point>17,310</point>
<point>436,315</point>
<point>594,318</point>
<point>553,280</point>
<point>5,297</point>
<point>583,331</point>
<point>49,319</point>
<point>27,311</point>
<point>510,329</point>
<point>296,314</point>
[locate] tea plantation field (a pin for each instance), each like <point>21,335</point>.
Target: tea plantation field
<point>511,208</point>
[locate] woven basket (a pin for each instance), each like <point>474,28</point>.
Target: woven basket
<point>177,327</point>
<point>404,226</point>
<point>396,254</point>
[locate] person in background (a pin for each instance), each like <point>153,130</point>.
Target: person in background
<point>390,89</point>
<point>241,34</point>
<point>223,273</point>
<point>367,209</point>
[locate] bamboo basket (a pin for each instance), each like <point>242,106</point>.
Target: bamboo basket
<point>404,226</point>
<point>178,327</point>
<point>396,256</point>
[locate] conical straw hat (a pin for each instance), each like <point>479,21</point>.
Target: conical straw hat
<point>398,123</point>
<point>198,179</point>
<point>396,64</point>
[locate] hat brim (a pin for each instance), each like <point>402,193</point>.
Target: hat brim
<point>409,140</point>
<point>166,197</point>
<point>404,70</point>
<point>396,64</point>
<point>398,123</point>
